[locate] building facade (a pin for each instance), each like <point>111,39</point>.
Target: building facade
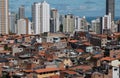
<point>54,20</point>
<point>96,26</point>
<point>68,23</point>
<point>4,17</point>
<point>23,26</point>
<point>106,23</point>
<point>41,17</point>
<point>110,8</point>
<point>12,22</point>
<point>21,12</point>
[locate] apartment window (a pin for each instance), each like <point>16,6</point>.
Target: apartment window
<point>115,69</point>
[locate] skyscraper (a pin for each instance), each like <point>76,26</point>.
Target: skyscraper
<point>106,24</point>
<point>110,8</point>
<point>68,23</point>
<point>45,17</point>
<point>24,26</point>
<point>4,17</point>
<point>12,22</point>
<point>36,17</point>
<point>21,12</point>
<point>96,27</point>
<point>54,21</point>
<point>41,17</point>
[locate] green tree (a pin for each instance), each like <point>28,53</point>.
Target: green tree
<point>6,47</point>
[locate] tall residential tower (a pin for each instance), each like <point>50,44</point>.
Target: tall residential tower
<point>4,17</point>
<point>41,17</point>
<point>21,12</point>
<point>110,8</point>
<point>54,20</point>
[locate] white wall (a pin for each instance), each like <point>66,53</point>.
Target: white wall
<point>115,72</point>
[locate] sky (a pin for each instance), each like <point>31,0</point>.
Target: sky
<point>90,8</point>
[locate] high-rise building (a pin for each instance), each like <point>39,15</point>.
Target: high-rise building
<point>96,26</point>
<point>28,26</point>
<point>106,23</point>
<point>12,22</point>
<point>23,26</point>
<point>118,26</point>
<point>110,8</point>
<point>36,17</point>
<point>4,17</point>
<point>21,12</point>
<point>54,21</point>
<point>84,25</point>
<point>41,17</point>
<point>77,23</point>
<point>68,23</point>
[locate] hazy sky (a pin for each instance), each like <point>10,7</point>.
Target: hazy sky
<point>76,7</point>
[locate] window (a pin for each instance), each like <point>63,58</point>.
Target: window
<point>115,69</point>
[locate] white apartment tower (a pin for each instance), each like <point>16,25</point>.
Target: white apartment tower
<point>12,22</point>
<point>36,17</point>
<point>106,24</point>
<point>4,17</point>
<point>23,26</point>
<point>106,21</point>
<point>41,17</point>
<point>96,26</point>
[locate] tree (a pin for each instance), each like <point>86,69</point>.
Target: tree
<point>6,47</point>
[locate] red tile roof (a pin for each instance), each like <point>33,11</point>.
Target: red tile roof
<point>73,41</point>
<point>55,76</point>
<point>83,67</point>
<point>79,50</point>
<point>87,44</point>
<point>98,56</point>
<point>69,72</point>
<point>107,59</point>
<point>46,70</point>
<point>5,51</point>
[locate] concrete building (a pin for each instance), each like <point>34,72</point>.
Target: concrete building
<point>21,24</point>
<point>4,17</point>
<point>110,8</point>
<point>96,26</point>
<point>118,26</point>
<point>36,17</point>
<point>24,26</point>
<point>77,23</point>
<point>68,23</point>
<point>106,23</point>
<point>41,17</point>
<point>45,17</point>
<point>28,26</point>
<point>115,68</point>
<point>81,24</point>
<point>12,22</point>
<point>54,21</point>
<point>98,40</point>
<point>21,12</point>
<point>84,25</point>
